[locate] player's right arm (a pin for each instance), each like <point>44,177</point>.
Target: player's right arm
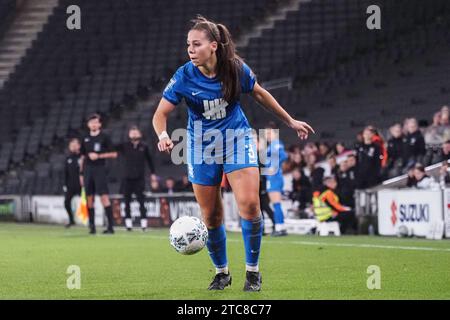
<point>160,117</point>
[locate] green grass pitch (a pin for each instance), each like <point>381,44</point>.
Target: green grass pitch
<point>34,261</point>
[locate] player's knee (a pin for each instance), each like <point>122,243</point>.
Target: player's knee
<point>250,207</point>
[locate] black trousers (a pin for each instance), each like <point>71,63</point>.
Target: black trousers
<point>134,186</point>
<point>347,220</point>
<point>264,203</point>
<point>68,196</point>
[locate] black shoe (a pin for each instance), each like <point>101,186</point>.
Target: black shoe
<point>220,281</point>
<point>253,281</point>
<point>129,229</point>
<point>92,231</point>
<point>108,231</point>
<point>67,226</point>
<point>279,233</point>
<point>144,229</point>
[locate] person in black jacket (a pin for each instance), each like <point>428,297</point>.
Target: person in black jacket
<point>346,184</point>
<point>415,143</point>
<point>396,147</point>
<point>96,147</point>
<point>136,156</point>
<point>301,190</point>
<point>71,186</point>
<point>369,161</point>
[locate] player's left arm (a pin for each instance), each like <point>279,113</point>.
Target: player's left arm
<point>263,97</point>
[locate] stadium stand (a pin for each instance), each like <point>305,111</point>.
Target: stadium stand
<point>126,51</point>
<point>67,75</point>
<point>7,9</point>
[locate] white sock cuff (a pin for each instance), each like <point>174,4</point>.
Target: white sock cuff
<point>128,223</point>
<point>252,268</point>
<point>222,270</point>
<point>144,223</point>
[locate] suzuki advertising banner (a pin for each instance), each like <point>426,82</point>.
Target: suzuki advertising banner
<point>413,212</point>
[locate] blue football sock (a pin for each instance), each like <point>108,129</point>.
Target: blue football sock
<point>217,246</point>
<point>252,233</point>
<point>278,213</point>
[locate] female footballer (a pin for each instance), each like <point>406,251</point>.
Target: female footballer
<point>211,84</point>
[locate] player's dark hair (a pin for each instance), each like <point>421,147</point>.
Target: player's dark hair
<point>229,64</point>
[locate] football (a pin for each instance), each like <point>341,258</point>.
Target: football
<point>188,235</point>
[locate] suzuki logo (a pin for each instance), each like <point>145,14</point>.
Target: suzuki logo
<point>394,213</point>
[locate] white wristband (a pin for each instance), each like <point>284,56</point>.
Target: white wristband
<point>163,135</point>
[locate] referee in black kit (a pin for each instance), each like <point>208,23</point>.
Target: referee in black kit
<point>136,155</point>
<point>71,186</point>
<point>95,148</point>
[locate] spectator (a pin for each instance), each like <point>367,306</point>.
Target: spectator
<point>351,162</point>
<point>155,185</point>
<point>434,133</point>
<point>423,181</point>
<point>184,185</point>
<point>444,175</point>
<point>396,149</point>
<point>327,206</point>
<point>314,172</point>
<point>324,150</point>
<point>445,115</point>
<point>444,129</point>
<point>334,168</point>
<point>169,186</point>
<point>443,153</point>
<point>301,189</point>
<point>310,148</point>
<point>346,184</point>
<point>369,165</point>
<point>359,140</point>
<point>340,149</point>
<point>379,141</point>
<point>411,180</point>
<point>415,143</point>
<point>295,160</point>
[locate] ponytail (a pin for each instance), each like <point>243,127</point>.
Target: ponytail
<point>229,64</point>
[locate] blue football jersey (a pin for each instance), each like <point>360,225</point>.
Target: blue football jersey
<point>204,98</point>
<point>276,155</point>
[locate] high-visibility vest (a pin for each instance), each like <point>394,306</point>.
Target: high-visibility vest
<point>321,209</point>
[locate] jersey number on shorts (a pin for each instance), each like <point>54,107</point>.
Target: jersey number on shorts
<point>215,109</point>
<point>251,154</point>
